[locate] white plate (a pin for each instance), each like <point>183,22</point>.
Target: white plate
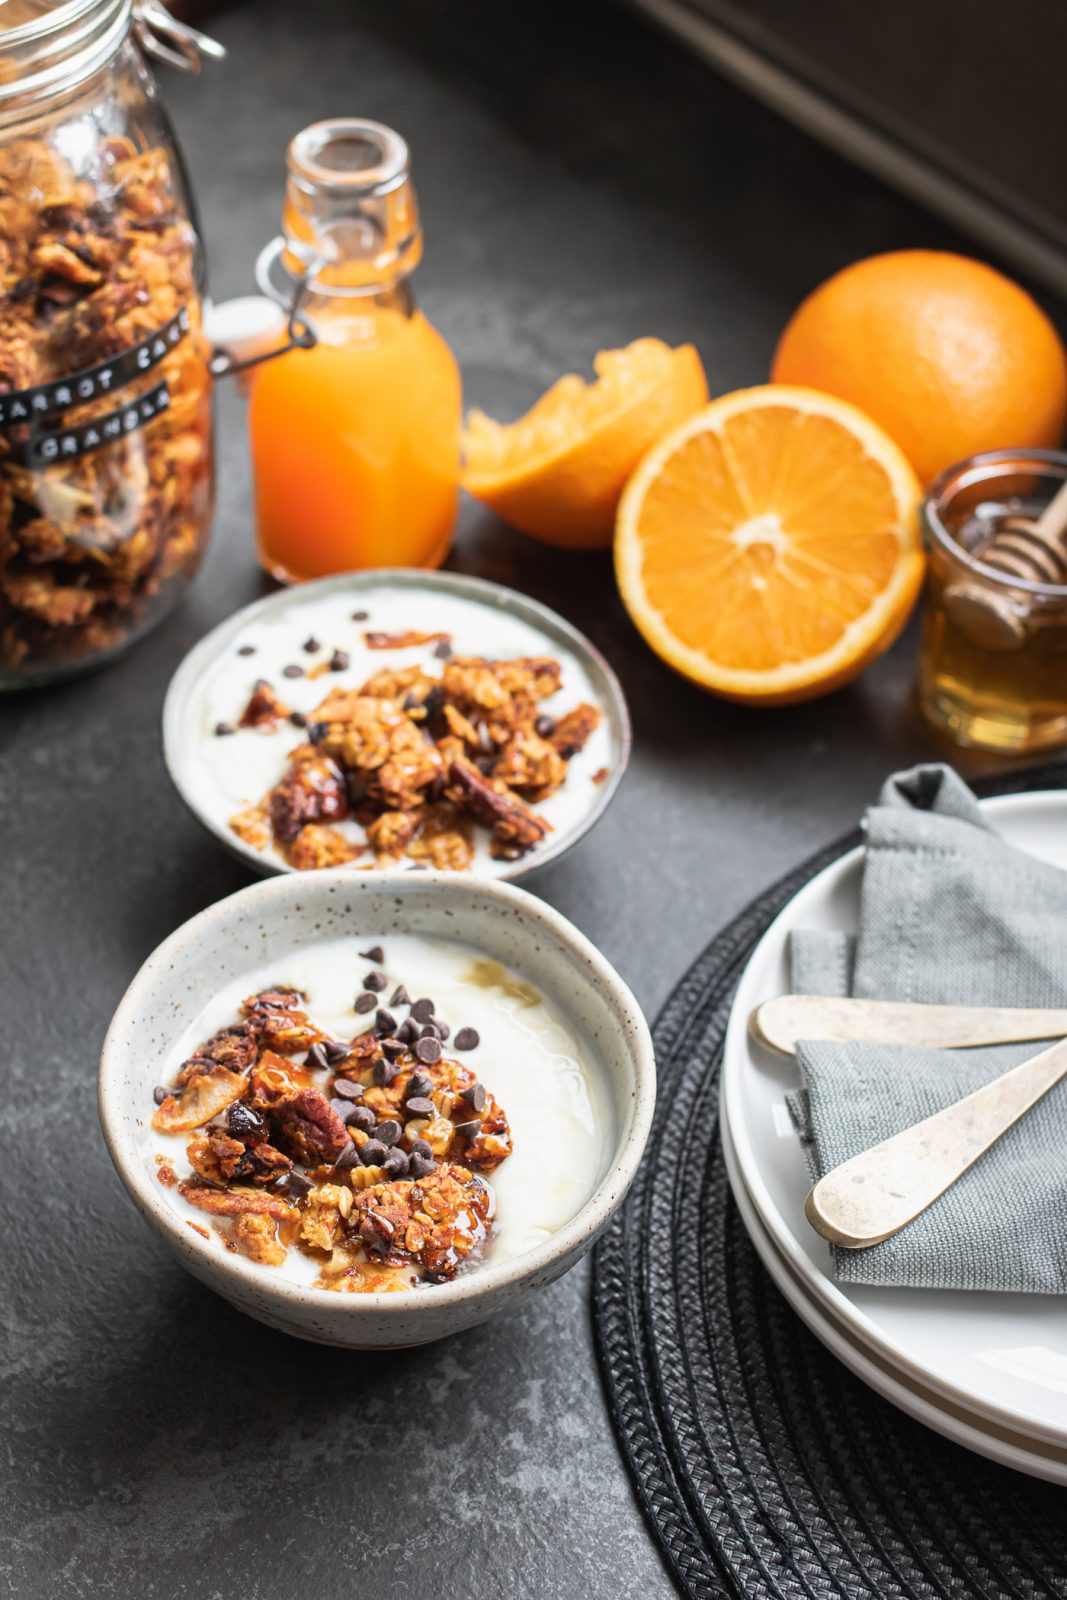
<point>1000,1356</point>
<point>217,779</point>
<point>1039,1459</point>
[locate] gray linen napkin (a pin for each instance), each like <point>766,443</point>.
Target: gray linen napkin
<point>949,913</point>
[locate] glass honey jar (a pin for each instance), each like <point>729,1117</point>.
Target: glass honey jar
<point>993,661</point>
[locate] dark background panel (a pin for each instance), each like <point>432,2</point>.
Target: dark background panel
<point>976,86</point>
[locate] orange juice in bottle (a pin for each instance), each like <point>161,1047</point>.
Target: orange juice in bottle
<point>355,442</point>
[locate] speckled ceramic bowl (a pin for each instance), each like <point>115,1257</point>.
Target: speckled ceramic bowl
<point>187,705</point>
<point>266,922</point>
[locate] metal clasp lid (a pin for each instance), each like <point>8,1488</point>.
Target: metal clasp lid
<point>164,37</point>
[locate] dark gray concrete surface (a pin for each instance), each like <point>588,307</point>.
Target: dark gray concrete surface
<point>582,183</point>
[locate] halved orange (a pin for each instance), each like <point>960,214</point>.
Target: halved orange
<point>557,474</point>
<point>769,547</point>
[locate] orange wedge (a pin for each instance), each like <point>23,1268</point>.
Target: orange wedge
<point>558,472</point>
<point>769,547</point>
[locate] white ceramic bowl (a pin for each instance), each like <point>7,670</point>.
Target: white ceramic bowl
<point>267,921</point>
<point>188,697</point>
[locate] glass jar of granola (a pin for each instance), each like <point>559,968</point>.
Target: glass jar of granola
<point>105,390</point>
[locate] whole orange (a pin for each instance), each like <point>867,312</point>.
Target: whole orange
<point>950,356</point>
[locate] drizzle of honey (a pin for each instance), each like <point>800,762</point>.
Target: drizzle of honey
<point>486,974</point>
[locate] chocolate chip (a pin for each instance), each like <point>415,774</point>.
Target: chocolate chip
<point>349,1090</point>
<point>428,1050</point>
<point>474,1096</point>
<point>348,1158</point>
<point>317,731</point>
<point>373,1153</point>
<point>316,1057</point>
<point>340,1107</point>
<point>420,1147</point>
<point>423,1010</point>
<point>360,616</point>
<point>361,1117</point>
<point>375,981</point>
<point>224,728</point>
<point>443,1031</point>
<point>396,1163</point>
<point>467,1039</point>
<point>545,726</point>
<point>408,1031</point>
<point>418,1106</point>
<point>430,1031</point>
<point>297,1186</point>
<point>298,719</point>
<point>339,661</point>
<point>364,1003</point>
<point>388,1132</point>
<point>385,1024</point>
<point>384,1073</point>
<point>159,1094</point>
<point>246,650</point>
<point>311,645</point>
<point>392,1048</point>
<point>292,671</point>
<point>418,1083</point>
<point>335,1051</point>
<point>375,954</point>
<point>469,1130</point>
<point>400,996</point>
<point>422,1166</point>
<point>443,649</point>
<point>410,702</point>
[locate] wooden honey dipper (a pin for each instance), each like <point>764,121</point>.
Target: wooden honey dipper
<point>1035,551</point>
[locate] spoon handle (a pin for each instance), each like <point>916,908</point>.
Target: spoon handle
<point>873,1195</point>
<point>781,1022</point>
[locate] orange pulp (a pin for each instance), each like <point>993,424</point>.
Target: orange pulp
<point>355,447</point>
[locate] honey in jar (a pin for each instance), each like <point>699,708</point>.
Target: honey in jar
<point>993,665</point>
<point>355,441</point>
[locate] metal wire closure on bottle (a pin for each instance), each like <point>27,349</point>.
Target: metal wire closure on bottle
<point>300,335</point>
<point>164,37</point>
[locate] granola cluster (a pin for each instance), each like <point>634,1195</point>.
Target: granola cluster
<point>368,1156</point>
<point>90,269</point>
<point>419,760</point>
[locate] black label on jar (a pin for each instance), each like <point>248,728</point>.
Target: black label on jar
<point>48,400</point>
<point>65,444</point>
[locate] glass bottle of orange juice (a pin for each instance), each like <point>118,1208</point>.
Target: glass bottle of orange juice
<point>355,441</point>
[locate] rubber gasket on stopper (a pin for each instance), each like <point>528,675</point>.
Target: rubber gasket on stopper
<point>764,1468</point>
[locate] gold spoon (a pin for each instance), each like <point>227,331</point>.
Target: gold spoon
<point>873,1195</point>
<point>779,1023</point>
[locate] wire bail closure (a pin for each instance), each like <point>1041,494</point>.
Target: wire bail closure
<point>300,335</point>
<point>164,37</point>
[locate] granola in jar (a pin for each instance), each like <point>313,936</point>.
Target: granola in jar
<point>105,389</point>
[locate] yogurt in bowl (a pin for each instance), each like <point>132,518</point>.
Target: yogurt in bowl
<point>394,721</point>
<point>528,1171</point>
<point>311,1105</point>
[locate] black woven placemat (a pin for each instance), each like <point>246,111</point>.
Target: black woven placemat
<point>763,1466</point>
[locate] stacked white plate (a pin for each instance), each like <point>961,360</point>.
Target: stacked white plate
<point>987,1370</point>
